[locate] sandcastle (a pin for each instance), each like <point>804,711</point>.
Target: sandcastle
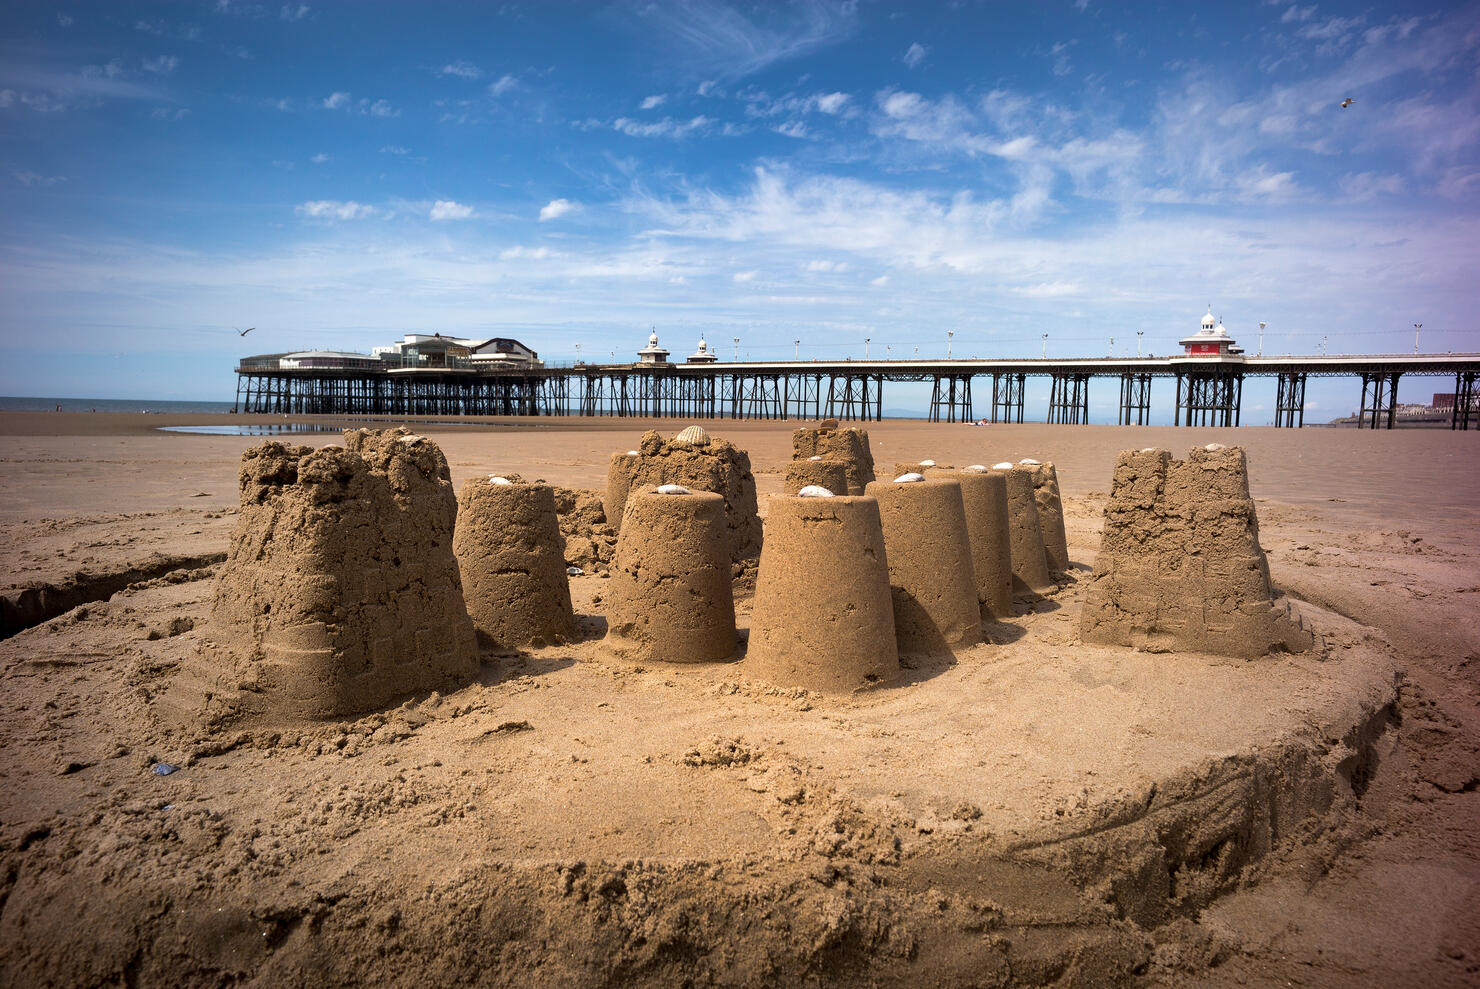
<point>931,581</point>
<point>671,598</point>
<point>1050,513</point>
<point>984,497</point>
<point>512,560</point>
<point>1025,532</point>
<point>1180,566</point>
<point>714,465</point>
<point>340,592</point>
<point>847,445</point>
<point>829,474</point>
<point>823,618</point>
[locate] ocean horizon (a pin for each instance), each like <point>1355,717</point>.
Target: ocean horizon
<point>24,403</point>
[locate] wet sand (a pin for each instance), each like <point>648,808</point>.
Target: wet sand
<point>772,794</point>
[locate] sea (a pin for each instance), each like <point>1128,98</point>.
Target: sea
<point>13,403</point>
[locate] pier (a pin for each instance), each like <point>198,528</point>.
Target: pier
<point>1209,389</point>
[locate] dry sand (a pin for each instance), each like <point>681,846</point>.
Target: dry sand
<point>1038,811</point>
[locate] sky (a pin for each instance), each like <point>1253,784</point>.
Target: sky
<point>573,174</point>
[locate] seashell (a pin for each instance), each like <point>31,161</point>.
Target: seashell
<point>633,453</point>
<point>692,436</point>
<point>1002,466</point>
<point>495,479</point>
<point>412,438</point>
<point>927,463</point>
<point>814,458</point>
<point>673,489</point>
<point>909,478</point>
<point>1148,449</point>
<point>1214,447</point>
<point>976,468</point>
<point>1029,462</point>
<point>815,491</point>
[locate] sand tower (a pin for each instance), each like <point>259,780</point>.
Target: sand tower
<point>700,463</point>
<point>670,597</point>
<point>984,497</point>
<point>340,592</point>
<point>619,474</point>
<point>1050,513</point>
<point>931,581</point>
<point>1025,532</point>
<point>1180,566</point>
<point>829,474</point>
<point>823,618</point>
<point>848,445</point>
<point>512,560</point>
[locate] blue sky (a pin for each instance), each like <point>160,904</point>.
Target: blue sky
<point>573,173</point>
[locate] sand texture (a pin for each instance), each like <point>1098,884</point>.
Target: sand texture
<point>1050,516</point>
<point>984,500</point>
<point>339,592</point>
<point>823,618</point>
<point>1180,566</point>
<point>847,445</point>
<point>829,474</point>
<point>512,560</point>
<point>1025,535</point>
<point>930,575</point>
<point>1036,810</point>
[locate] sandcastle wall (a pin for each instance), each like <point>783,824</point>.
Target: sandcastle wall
<point>590,535</point>
<point>340,592</point>
<point>823,617</point>
<point>719,467</point>
<point>1180,566</point>
<point>984,498</point>
<point>670,597</point>
<point>931,581</point>
<point>829,474</point>
<point>619,474</point>
<point>1050,515</point>
<point>848,445</point>
<point>512,560</point>
<point>1025,534</point>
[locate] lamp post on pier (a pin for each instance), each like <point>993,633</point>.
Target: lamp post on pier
<point>865,348</point>
<point>797,351</point>
<point>1262,324</point>
<point>950,335</point>
<point>1416,328</point>
<point>737,349</point>
<point>1138,342</point>
<point>1045,346</point>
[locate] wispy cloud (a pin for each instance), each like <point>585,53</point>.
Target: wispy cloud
<point>502,85</point>
<point>373,108</point>
<point>716,38</point>
<point>446,209</point>
<point>556,208</point>
<point>37,179</point>
<point>915,55</point>
<point>462,69</point>
<point>333,209</point>
<point>161,65</point>
<point>394,149</point>
<point>667,127</point>
<point>319,158</point>
<point>652,102</point>
<point>293,12</point>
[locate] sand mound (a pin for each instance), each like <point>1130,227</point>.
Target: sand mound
<point>340,592</point>
<point>849,446</point>
<point>830,474</point>
<point>1025,532</point>
<point>984,497</point>
<point>590,536</point>
<point>512,560</point>
<point>1050,514</point>
<point>1180,565</point>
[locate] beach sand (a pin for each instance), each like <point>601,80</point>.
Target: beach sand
<point>1038,811</point>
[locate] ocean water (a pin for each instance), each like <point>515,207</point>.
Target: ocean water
<point>11,403</point>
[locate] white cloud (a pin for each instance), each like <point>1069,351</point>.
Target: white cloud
<point>166,113</point>
<point>832,103</point>
<point>151,27</point>
<point>719,40</point>
<point>163,65</point>
<point>381,108</point>
<point>1370,185</point>
<point>333,209</point>
<point>462,69</point>
<point>343,101</point>
<point>502,85</point>
<point>915,55</point>
<point>652,102</point>
<point>1060,54</point>
<point>319,158</point>
<point>336,101</point>
<point>879,282</point>
<point>557,208</point>
<point>34,178</point>
<point>446,209</point>
<point>65,20</point>
<point>1048,290</point>
<point>745,276</point>
<point>709,88</point>
<point>533,253</point>
<point>1297,13</point>
<point>792,128</point>
<point>824,265</point>
<point>394,149</point>
<point>667,127</point>
<point>290,12</point>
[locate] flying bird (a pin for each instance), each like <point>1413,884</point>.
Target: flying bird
<point>242,333</point>
<point>1347,102</point>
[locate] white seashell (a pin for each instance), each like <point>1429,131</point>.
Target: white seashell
<point>815,491</point>
<point>1213,447</point>
<point>910,478</point>
<point>692,436</point>
<point>976,468</point>
<point>1002,466</point>
<point>673,489</point>
<point>1030,462</point>
<point>633,453</point>
<point>1148,449</point>
<point>927,463</point>
<point>495,479</point>
<point>814,458</point>
<point>411,439</point>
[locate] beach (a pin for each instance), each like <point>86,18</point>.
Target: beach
<point>1038,811</point>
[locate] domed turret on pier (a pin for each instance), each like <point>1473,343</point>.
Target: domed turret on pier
<point>703,355</point>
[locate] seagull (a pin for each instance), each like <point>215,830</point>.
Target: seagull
<point>1347,102</point>
<point>242,333</point>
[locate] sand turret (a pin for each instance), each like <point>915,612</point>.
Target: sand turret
<point>512,560</point>
<point>848,445</point>
<point>829,474</point>
<point>823,617</point>
<point>340,592</point>
<point>1025,532</point>
<point>717,466</point>
<point>984,497</point>
<point>1050,513</point>
<point>931,581</point>
<point>670,597</point>
<point>1180,566</point>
